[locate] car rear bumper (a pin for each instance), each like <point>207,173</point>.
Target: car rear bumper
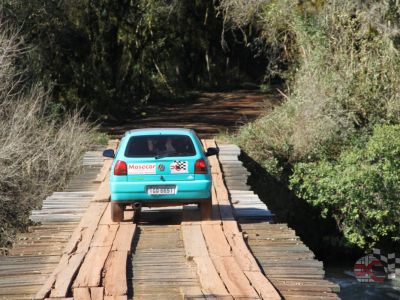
<point>136,191</point>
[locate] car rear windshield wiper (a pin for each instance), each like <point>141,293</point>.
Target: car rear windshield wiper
<point>166,154</point>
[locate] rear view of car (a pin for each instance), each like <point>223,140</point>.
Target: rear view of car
<point>160,167</point>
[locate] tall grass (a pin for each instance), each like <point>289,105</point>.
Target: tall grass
<point>38,152</point>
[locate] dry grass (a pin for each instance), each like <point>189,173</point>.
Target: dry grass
<point>38,152</point>
<point>239,13</point>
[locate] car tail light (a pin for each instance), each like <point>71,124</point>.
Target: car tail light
<point>200,167</point>
<point>120,168</point>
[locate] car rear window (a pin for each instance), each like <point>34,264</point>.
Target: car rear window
<point>160,145</point>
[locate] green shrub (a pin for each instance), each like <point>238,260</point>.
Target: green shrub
<point>361,189</point>
<point>341,63</point>
<point>340,60</point>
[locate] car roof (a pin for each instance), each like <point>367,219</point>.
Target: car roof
<point>145,131</point>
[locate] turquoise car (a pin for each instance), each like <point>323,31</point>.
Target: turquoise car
<point>160,167</point>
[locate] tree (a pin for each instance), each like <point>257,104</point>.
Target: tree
<point>111,56</point>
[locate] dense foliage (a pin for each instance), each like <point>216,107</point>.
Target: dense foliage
<point>361,189</point>
<point>107,58</point>
<point>341,62</point>
<point>114,56</point>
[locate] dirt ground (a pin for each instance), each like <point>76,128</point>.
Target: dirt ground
<point>209,115</point>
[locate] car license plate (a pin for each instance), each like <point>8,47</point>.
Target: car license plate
<point>161,190</point>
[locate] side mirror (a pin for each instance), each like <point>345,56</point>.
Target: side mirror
<point>109,153</point>
<point>212,151</point>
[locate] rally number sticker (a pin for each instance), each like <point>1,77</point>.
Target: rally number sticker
<point>134,169</point>
<point>179,167</point>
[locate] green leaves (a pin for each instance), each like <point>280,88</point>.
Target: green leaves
<point>361,189</point>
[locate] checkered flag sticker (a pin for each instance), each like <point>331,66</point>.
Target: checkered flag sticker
<point>390,262</point>
<point>179,167</point>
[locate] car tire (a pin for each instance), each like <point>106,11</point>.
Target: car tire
<point>137,215</point>
<point>117,212</point>
<point>206,209</point>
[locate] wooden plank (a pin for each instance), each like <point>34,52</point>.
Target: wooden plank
<point>211,283</point>
<point>241,254</point>
<point>43,292</point>
<point>104,236</point>
<point>74,253</point>
<point>230,227</point>
<point>124,237</point>
<point>81,294</point>
<point>70,196</point>
<point>219,249</point>
<point>104,170</point>
<point>66,206</point>
<point>241,193</point>
<point>73,210</point>
<point>193,240</point>
<point>73,194</point>
<point>97,293</point>
<point>196,250</point>
<point>310,296</point>
<point>54,219</point>
<point>115,297</point>
<point>233,277</point>
<point>192,293</point>
<point>80,240</point>
<point>262,285</point>
<point>216,241</point>
<point>115,281</point>
<point>27,269</point>
<point>65,272</point>
<point>93,214</point>
<point>103,193</point>
<point>90,273</point>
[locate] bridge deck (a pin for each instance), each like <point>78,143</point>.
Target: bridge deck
<point>285,260</point>
<point>79,253</point>
<point>37,252</point>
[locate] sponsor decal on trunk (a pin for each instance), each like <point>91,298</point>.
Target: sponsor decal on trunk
<point>179,167</point>
<point>149,168</point>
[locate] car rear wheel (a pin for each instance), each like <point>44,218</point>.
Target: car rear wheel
<point>206,209</point>
<point>117,212</point>
<point>137,215</point>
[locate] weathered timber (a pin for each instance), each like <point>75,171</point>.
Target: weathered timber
<point>286,261</point>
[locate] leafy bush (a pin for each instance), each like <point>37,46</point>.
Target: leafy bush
<point>345,79</point>
<point>361,190</point>
<point>340,60</point>
<point>38,151</point>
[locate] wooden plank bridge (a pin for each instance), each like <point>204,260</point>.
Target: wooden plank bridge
<point>77,252</point>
